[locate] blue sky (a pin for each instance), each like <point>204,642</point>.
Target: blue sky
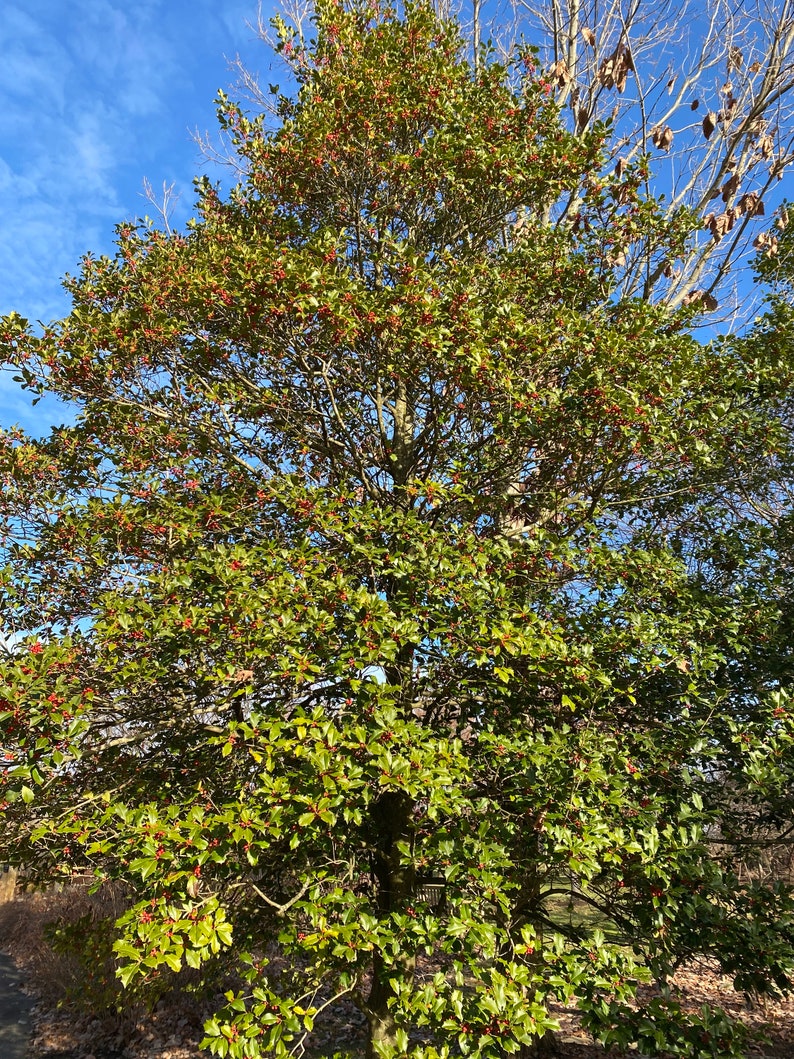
<point>96,96</point>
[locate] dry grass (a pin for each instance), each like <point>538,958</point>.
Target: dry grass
<point>61,940</point>
<point>29,926</point>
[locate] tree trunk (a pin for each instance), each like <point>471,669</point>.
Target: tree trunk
<point>544,1047</point>
<point>382,1026</point>
<point>391,817</point>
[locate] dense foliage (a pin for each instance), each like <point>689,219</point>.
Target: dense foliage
<point>365,624</point>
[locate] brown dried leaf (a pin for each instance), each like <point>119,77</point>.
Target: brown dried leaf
<point>766,145</point>
<point>727,88</point>
<point>614,70</point>
<point>778,169</point>
<point>582,118</point>
<point>752,204</point>
<point>588,36</point>
<point>694,104</point>
<point>701,298</point>
<point>662,138</point>
<point>620,167</point>
<point>724,222</point>
<point>730,187</point>
<point>622,194</point>
<point>620,78</point>
<point>709,124</point>
<point>766,242</point>
<point>719,224</point>
<point>735,58</point>
<point>560,73</point>
<point>605,71</point>
<point>782,221</point>
<point>754,68</point>
<point>726,113</point>
<point>671,84</point>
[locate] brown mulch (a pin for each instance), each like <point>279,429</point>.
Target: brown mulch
<point>174,1029</point>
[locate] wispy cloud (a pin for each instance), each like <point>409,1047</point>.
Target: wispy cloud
<point>95,95</point>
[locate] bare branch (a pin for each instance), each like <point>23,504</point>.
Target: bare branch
<point>164,204</point>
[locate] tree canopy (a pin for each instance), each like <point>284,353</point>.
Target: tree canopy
<point>374,622</point>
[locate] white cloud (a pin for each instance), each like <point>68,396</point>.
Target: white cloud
<point>35,64</point>
<point>74,91</point>
<point>97,95</point>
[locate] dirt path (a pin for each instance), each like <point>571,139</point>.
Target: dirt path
<point>15,1012</point>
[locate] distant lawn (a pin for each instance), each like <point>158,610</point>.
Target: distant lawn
<point>573,912</point>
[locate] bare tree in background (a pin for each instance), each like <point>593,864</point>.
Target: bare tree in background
<point>705,93</point>
<point>699,105</point>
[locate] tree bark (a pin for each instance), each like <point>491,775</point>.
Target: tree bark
<point>391,819</point>
<point>382,1025</point>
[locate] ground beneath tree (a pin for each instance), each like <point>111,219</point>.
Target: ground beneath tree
<point>15,1007</point>
<point>175,1029</point>
<point>174,1033</point>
